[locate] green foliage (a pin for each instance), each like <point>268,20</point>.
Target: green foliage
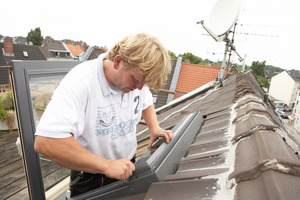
<point>263,81</point>
<point>3,113</point>
<point>7,112</point>
<point>258,68</point>
<point>172,55</point>
<point>272,101</point>
<point>35,36</point>
<point>240,67</point>
<point>7,101</point>
<point>206,62</point>
<point>273,69</point>
<point>69,41</point>
<point>193,59</point>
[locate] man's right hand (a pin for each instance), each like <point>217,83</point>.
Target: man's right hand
<point>119,169</point>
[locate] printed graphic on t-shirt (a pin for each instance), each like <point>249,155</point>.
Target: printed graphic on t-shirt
<point>137,101</point>
<point>106,116</point>
<point>107,123</point>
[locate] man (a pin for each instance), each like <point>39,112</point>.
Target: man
<point>90,123</point>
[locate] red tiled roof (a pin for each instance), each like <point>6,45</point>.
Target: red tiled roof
<point>193,76</point>
<point>177,95</point>
<point>75,50</point>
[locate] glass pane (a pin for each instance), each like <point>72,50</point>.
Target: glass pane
<point>41,90</point>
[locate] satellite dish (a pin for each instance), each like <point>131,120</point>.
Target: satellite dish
<point>222,18</point>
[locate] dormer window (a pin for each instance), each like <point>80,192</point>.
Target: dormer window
<point>25,54</point>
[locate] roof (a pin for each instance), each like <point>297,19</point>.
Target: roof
<point>96,51</point>
<point>163,96</point>
<point>75,49</point>
<point>33,53</point>
<point>20,40</point>
<point>243,151</point>
<point>56,47</point>
<point>52,47</point>
<point>270,74</point>
<point>3,72</point>
<point>4,79</point>
<point>2,58</point>
<point>193,76</point>
<point>295,74</point>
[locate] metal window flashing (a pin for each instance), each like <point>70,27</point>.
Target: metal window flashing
<point>157,163</point>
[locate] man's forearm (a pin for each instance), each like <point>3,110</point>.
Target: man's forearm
<point>156,131</point>
<point>68,153</point>
<point>149,115</point>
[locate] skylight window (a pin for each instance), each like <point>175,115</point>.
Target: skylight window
<point>25,54</point>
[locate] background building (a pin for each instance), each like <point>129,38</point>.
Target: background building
<point>284,86</point>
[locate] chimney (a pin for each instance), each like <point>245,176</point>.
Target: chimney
<point>8,46</point>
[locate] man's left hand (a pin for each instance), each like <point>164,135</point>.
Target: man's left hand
<point>159,132</point>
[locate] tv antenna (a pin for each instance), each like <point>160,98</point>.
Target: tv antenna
<point>222,18</point>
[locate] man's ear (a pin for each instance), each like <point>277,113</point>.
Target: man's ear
<point>117,61</point>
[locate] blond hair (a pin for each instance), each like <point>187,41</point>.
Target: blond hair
<point>146,55</point>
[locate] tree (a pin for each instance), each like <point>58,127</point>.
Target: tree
<point>172,55</point>
<point>273,69</point>
<point>206,62</point>
<point>35,36</point>
<point>263,81</point>
<point>258,68</point>
<point>193,59</point>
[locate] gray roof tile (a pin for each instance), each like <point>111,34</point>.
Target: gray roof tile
<point>249,99</point>
<point>210,137</point>
<point>201,163</point>
<point>208,149</point>
<point>250,125</point>
<point>269,185</point>
<point>186,189</point>
<point>263,151</point>
<point>193,174</point>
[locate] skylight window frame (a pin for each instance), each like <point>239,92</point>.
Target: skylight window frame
<point>21,73</point>
<point>25,54</point>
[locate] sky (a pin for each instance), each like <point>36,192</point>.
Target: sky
<point>267,30</point>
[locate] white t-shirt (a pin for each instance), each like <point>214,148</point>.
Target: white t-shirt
<point>100,118</point>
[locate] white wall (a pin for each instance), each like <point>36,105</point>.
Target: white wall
<point>282,87</point>
<point>296,113</point>
<point>295,92</point>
